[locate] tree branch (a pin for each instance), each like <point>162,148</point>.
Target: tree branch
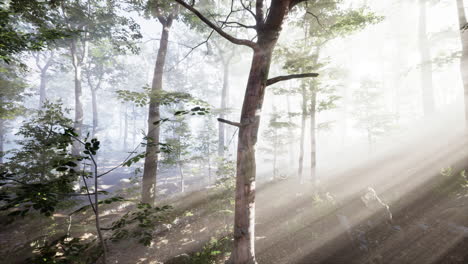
<point>221,32</point>
<point>289,77</point>
<point>236,124</point>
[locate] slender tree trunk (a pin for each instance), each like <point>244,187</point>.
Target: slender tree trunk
<point>78,62</point>
<point>426,64</point>
<point>134,115</point>
<point>43,76</point>
<point>221,125</point>
<point>95,111</point>
<point>464,59</point>
<point>313,142</point>
<point>2,139</point>
<point>152,149</point>
<point>182,179</point>
<point>125,141</point>
<point>42,89</point>
<point>303,124</point>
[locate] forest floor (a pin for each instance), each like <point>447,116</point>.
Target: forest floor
<point>294,224</point>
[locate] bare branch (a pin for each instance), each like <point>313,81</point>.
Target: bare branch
<point>248,9</point>
<point>289,77</point>
<point>316,18</point>
<point>236,124</point>
<point>239,24</point>
<point>221,32</point>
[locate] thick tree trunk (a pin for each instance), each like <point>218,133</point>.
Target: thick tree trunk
<point>152,148</point>
<point>313,142</point>
<point>464,59</point>
<point>244,223</point>
<point>426,64</point>
<point>303,124</point>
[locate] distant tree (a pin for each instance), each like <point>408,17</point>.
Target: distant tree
<point>322,23</point>
<point>205,145</point>
<point>426,68</point>
<point>44,60</point>
<point>463,26</point>
<point>277,136</point>
<point>370,113</point>
<point>12,86</point>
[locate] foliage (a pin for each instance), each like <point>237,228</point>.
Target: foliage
<point>40,175</point>
<point>23,27</point>
<point>145,217</point>
<point>12,88</point>
<point>213,251</point>
<point>452,183</point>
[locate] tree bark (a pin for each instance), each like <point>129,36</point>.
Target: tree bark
<point>42,89</point>
<point>313,142</point>
<point>426,64</point>
<point>95,111</point>
<point>464,59</point>
<point>152,148</point>
<point>125,141</point>
<point>43,76</point>
<point>78,62</point>
<point>224,93</point>
<point>303,124</point>
<point>2,139</point>
<point>244,218</point>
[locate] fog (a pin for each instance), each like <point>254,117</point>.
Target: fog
<point>364,163</point>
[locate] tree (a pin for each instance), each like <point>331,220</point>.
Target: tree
<point>37,176</point>
<point>166,13</point>
<point>267,28</point>
<point>48,59</point>
<point>463,25</point>
<point>426,67</point>
<point>277,135</point>
<point>103,67</point>
<point>322,23</point>
<point>12,87</point>
<point>92,20</point>
<point>370,115</point>
<point>26,27</point>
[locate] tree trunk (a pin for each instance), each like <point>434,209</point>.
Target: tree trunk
<point>426,64</point>
<point>224,93</point>
<point>78,125</point>
<point>125,141</point>
<point>2,139</point>
<point>42,88</point>
<point>152,148</point>
<point>78,62</point>
<point>313,142</point>
<point>95,111</point>
<point>244,222</point>
<point>464,59</point>
<point>303,124</point>
<point>43,76</point>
